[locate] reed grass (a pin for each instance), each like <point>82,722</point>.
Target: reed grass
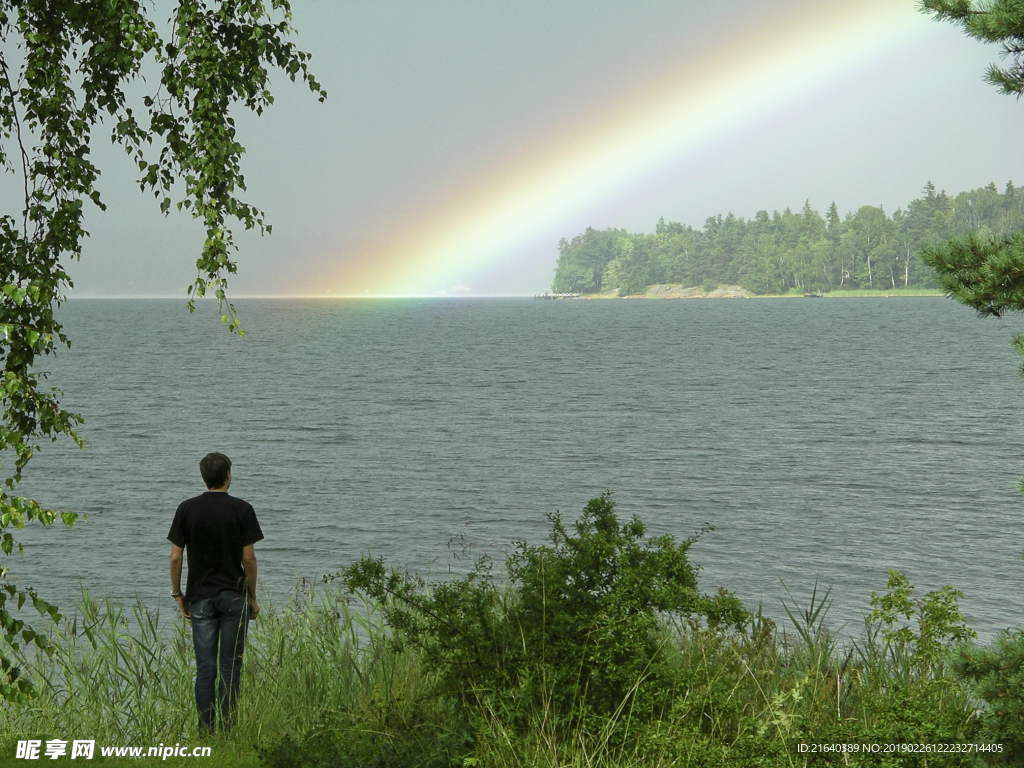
<point>126,678</point>
<point>320,683</point>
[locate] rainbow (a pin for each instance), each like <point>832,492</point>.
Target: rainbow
<point>781,65</point>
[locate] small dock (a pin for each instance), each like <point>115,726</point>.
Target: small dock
<point>556,296</point>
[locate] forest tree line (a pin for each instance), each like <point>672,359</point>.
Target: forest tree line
<point>787,251</point>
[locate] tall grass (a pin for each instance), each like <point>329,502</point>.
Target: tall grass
<point>126,678</point>
<point>321,686</point>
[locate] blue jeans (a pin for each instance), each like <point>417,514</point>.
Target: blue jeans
<point>219,620</point>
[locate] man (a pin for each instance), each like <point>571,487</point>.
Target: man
<point>218,532</point>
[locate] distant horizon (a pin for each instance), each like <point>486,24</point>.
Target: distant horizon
<point>232,298</point>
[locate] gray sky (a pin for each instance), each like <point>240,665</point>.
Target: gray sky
<point>461,140</point>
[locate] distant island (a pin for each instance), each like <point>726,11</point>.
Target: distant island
<point>867,252</point>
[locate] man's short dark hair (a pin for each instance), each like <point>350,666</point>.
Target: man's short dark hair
<point>214,468</point>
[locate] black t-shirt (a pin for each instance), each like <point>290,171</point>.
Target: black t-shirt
<point>213,528</point>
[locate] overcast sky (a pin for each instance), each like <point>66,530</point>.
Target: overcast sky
<point>461,140</point>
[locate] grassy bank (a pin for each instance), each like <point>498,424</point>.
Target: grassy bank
<point>884,294</point>
<point>856,294</point>
<point>479,672</point>
<point>735,291</point>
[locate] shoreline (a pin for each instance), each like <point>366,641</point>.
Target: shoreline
<point>737,292</point>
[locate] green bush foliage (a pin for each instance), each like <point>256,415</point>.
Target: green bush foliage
<point>940,625</point>
<point>995,676</point>
<point>573,631</point>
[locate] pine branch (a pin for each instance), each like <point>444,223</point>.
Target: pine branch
<point>987,276</point>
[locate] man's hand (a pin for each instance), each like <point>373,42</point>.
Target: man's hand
<point>249,566</point>
<point>176,556</point>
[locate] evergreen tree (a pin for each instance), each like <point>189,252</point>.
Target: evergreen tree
<point>985,270</point>
<point>832,221</point>
<point>995,21</point>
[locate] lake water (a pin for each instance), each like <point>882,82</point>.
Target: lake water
<point>825,440</point>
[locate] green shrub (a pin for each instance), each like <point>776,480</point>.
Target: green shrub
<point>940,625</point>
<point>573,632</point>
<point>995,676</point>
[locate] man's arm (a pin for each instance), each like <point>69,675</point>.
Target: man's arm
<point>179,598</point>
<point>249,565</point>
